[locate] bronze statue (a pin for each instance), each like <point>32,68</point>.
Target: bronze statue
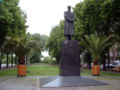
<point>69,19</point>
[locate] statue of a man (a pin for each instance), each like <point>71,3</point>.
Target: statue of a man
<point>69,19</point>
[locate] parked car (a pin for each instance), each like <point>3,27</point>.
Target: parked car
<point>116,63</point>
<point>110,65</point>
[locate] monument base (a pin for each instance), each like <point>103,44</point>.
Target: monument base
<point>69,81</point>
<point>70,59</point>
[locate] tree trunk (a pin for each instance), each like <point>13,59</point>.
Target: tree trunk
<point>26,59</point>
<point>7,57</point>
<point>104,63</point>
<point>58,60</point>
<point>1,61</point>
<point>107,57</point>
<point>89,61</point>
<point>89,55</point>
<point>95,62</point>
<point>16,61</point>
<point>21,60</point>
<point>89,64</point>
<point>12,60</point>
<point>108,60</point>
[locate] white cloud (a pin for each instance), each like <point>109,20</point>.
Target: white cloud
<point>43,14</point>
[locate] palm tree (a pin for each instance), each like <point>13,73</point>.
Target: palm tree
<point>96,45</point>
<point>24,45</point>
<point>21,49</point>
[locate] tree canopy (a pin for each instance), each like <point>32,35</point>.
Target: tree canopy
<point>100,18</point>
<point>12,20</point>
<point>54,42</point>
<point>97,16</point>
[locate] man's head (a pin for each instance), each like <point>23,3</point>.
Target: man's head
<point>69,8</point>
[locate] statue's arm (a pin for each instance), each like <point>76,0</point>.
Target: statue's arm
<point>69,19</point>
<point>65,16</point>
<point>72,19</point>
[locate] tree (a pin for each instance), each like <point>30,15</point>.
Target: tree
<point>1,54</point>
<point>9,47</point>
<point>12,18</point>
<point>40,39</point>
<point>5,21</point>
<point>12,22</point>
<point>38,43</point>
<point>99,17</point>
<point>96,45</point>
<point>54,42</point>
<point>22,48</point>
<point>87,59</point>
<point>35,57</point>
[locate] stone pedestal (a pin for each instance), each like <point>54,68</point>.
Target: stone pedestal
<point>70,70</point>
<point>70,59</point>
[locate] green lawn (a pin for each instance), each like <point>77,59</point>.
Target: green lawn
<point>102,73</point>
<point>10,72</point>
<point>43,70</point>
<point>48,70</point>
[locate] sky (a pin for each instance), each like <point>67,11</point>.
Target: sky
<point>42,15</point>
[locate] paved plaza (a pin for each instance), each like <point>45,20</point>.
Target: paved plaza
<point>33,83</point>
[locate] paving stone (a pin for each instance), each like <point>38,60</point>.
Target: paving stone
<point>70,81</point>
<point>33,83</point>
